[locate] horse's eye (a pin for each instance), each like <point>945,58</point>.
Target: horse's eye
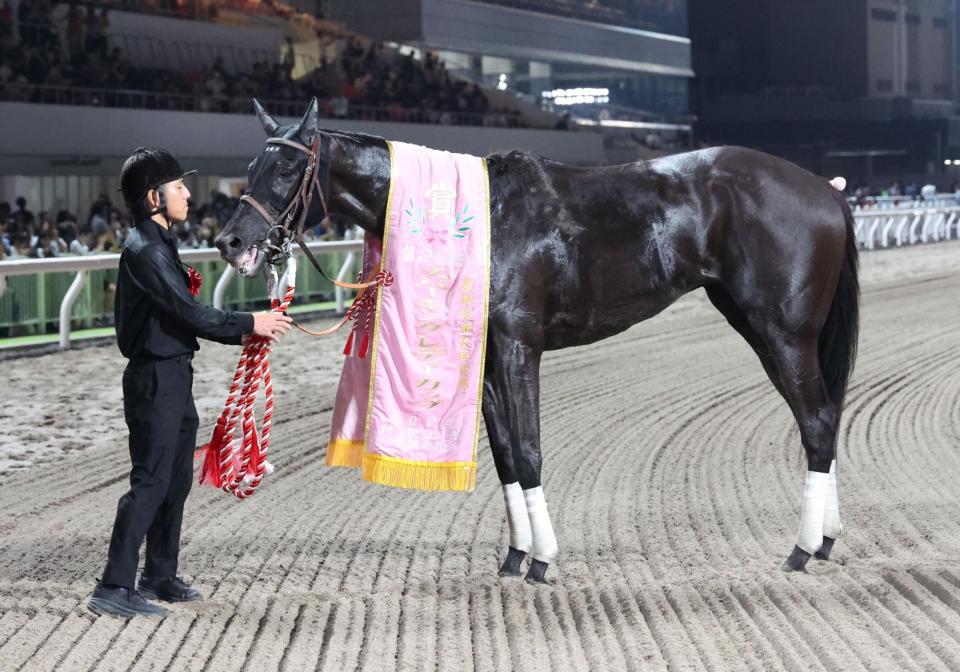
<point>286,172</point>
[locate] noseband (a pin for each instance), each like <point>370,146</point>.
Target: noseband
<point>284,222</point>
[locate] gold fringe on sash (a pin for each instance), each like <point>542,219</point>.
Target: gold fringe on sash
<point>344,453</point>
<point>417,475</point>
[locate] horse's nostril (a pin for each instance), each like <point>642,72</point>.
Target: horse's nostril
<point>235,242</point>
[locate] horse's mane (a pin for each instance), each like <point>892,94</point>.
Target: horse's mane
<point>513,156</point>
<point>354,135</point>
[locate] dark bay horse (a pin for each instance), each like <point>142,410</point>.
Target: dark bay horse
<point>580,254</point>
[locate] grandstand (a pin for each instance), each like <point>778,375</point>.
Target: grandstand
<point>82,84</point>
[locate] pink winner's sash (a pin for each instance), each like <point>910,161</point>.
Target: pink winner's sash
<point>407,410</point>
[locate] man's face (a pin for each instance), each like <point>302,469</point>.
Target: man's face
<point>177,196</point>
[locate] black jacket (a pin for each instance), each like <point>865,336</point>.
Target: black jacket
<point>156,317</point>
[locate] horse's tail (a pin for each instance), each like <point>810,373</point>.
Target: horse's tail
<point>837,343</point>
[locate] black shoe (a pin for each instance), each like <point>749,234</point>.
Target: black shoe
<point>168,589</point>
<point>122,602</point>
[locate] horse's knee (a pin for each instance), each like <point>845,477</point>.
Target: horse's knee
<point>527,464</point>
<point>819,435</point>
<point>503,462</point>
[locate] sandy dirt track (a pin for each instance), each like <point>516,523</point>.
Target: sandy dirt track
<point>671,473</point>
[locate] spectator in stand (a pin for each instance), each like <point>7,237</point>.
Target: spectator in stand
<point>76,18</point>
<point>22,247</point>
<point>6,229</point>
<point>81,244</point>
<point>49,244</point>
<point>105,242</point>
<point>23,217</point>
<point>99,220</point>
<point>93,31</point>
<point>6,19</point>
<point>26,22</point>
<point>104,22</point>
<point>97,207</point>
<point>66,227</point>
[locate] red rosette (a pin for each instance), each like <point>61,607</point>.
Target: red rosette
<point>194,280</point>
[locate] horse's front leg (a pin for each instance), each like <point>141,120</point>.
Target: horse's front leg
<point>521,538</point>
<point>511,410</point>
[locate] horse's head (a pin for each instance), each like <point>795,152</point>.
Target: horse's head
<point>273,181</point>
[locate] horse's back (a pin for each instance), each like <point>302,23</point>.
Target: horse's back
<point>605,248</point>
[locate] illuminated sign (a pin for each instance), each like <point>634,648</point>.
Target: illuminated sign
<point>580,96</point>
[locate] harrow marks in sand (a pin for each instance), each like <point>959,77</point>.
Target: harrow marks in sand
<point>673,479</point>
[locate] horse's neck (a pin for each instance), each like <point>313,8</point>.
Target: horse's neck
<point>359,181</point>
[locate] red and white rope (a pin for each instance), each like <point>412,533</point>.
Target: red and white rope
<point>253,367</point>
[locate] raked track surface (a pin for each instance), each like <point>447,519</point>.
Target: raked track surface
<point>672,475</point>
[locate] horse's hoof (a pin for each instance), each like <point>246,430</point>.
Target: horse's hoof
<point>537,572</point>
<point>824,552</point>
<point>797,560</point>
<point>511,566</point>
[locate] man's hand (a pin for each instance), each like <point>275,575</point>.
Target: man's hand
<point>269,325</point>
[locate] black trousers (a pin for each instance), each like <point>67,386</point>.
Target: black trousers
<point>162,419</point>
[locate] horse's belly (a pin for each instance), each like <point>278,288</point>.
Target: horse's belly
<point>603,319</point>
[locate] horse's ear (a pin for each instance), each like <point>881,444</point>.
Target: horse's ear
<point>270,124</point>
<point>310,122</point>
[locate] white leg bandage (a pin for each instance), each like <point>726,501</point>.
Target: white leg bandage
<point>832,527</point>
<point>815,491</point>
<point>544,541</point>
<point>520,536</point>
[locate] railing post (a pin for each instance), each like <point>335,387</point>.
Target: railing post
<point>870,234</point>
<point>917,219</point>
<point>220,290</point>
<point>338,292</point>
<point>42,302</point>
<point>900,228</point>
<point>66,306</point>
<point>885,232</point>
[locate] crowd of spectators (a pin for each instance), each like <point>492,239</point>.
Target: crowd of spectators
<point>105,227</point>
<point>909,189</point>
<point>32,52</point>
<point>365,80</point>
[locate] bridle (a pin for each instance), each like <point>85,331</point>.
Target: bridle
<point>318,156</point>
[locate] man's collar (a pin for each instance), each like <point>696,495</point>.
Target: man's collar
<point>153,231</point>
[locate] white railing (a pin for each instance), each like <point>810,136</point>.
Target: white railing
<point>941,200</point>
<point>905,226</point>
<point>81,265</point>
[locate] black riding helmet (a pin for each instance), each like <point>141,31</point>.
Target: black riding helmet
<point>148,168</point>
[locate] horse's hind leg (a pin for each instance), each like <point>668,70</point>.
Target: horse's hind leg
<point>802,385</point>
<point>792,363</point>
<point>722,300</point>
